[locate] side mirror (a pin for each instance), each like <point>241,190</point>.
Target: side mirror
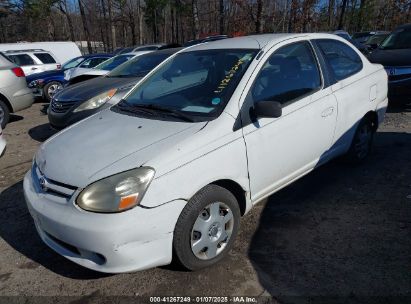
<point>267,108</point>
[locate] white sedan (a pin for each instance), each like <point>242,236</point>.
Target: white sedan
<point>169,171</point>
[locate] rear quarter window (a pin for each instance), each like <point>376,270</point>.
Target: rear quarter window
<point>341,58</point>
<point>45,58</point>
<point>22,59</point>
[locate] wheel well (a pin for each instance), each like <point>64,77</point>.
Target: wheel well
<point>7,102</point>
<point>236,190</point>
<point>373,117</point>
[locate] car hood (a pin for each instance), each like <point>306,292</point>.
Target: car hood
<point>399,57</point>
<point>45,74</point>
<point>108,143</point>
<point>87,89</point>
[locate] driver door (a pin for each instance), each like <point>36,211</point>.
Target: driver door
<point>282,149</point>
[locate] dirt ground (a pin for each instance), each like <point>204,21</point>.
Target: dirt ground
<point>340,234</point>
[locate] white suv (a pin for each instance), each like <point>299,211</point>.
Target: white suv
<point>33,61</point>
<point>170,170</point>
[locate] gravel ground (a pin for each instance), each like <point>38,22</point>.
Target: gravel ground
<point>340,234</point>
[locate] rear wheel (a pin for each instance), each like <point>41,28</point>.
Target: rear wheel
<point>50,89</point>
<point>206,228</point>
<point>362,141</point>
<point>4,114</point>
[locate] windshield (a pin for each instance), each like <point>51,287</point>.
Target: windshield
<point>114,62</point>
<point>400,39</point>
<point>72,63</point>
<point>139,66</point>
<point>376,39</point>
<point>196,83</point>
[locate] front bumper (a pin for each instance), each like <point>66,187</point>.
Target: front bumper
<point>133,240</point>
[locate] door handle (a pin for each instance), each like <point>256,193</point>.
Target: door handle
<point>327,112</point>
<point>33,69</point>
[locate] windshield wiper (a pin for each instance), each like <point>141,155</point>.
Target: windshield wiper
<point>156,107</point>
<point>126,107</point>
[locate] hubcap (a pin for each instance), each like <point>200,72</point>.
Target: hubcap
<point>212,231</point>
<point>362,144</point>
<point>53,89</point>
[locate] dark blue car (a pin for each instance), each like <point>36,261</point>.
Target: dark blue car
<point>45,84</point>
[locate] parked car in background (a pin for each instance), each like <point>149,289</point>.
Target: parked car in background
<point>62,50</point>
<point>206,39</point>
<point>2,143</point>
<point>149,47</point>
<point>86,65</point>
<point>46,84</point>
<point>375,40</point>
<point>347,37</point>
<point>394,54</point>
<point>169,171</point>
<point>33,61</point>
<point>14,93</point>
<point>78,101</point>
<point>102,68</point>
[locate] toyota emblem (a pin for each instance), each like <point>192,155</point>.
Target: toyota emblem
<point>43,183</point>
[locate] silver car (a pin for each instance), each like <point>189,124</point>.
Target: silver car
<point>14,93</point>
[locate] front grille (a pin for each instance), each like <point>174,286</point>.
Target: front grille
<point>46,185</point>
<point>61,107</point>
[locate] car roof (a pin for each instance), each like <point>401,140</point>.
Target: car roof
<point>97,55</point>
<point>254,41</point>
<point>405,27</point>
<point>13,52</point>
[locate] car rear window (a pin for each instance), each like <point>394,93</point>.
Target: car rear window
<point>45,58</point>
<point>22,59</point>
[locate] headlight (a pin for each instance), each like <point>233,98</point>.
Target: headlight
<point>36,83</point>
<point>96,101</point>
<point>116,193</point>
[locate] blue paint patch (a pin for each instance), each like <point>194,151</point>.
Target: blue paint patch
<point>215,101</point>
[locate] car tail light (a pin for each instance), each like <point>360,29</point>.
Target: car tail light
<point>18,72</point>
<point>58,66</point>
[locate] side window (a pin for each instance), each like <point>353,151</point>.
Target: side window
<point>342,59</point>
<point>86,64</point>
<point>96,61</point>
<point>22,59</point>
<point>288,74</point>
<point>45,58</point>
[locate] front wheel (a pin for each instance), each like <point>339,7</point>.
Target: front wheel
<point>4,114</point>
<point>362,141</point>
<point>50,89</point>
<point>206,228</point>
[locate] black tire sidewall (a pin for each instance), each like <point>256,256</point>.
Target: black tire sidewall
<point>352,155</point>
<point>6,114</point>
<point>185,222</point>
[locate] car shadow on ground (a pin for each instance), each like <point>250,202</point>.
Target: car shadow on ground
<point>18,230</point>
<point>15,118</point>
<point>342,231</point>
<point>42,132</point>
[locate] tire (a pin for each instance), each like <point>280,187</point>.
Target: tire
<point>362,141</point>
<point>50,89</point>
<point>219,228</point>
<point>4,114</point>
